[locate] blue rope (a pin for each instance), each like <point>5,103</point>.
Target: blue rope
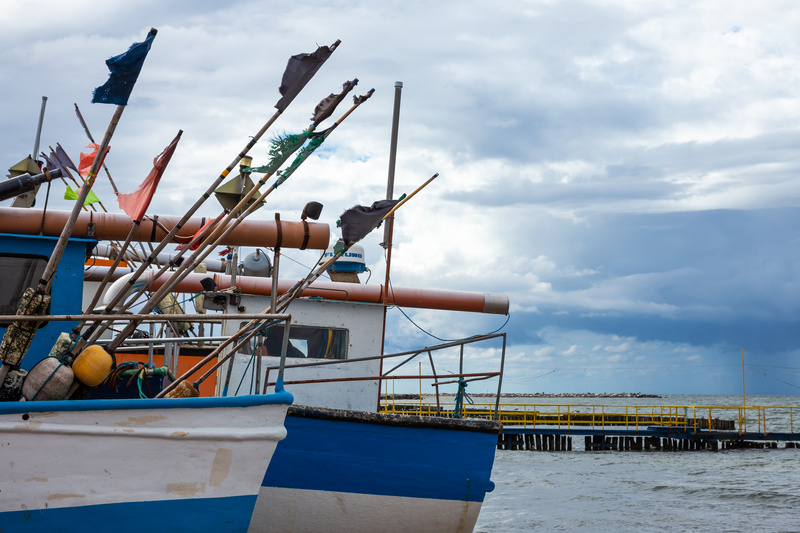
<point>53,373</point>
<point>244,373</point>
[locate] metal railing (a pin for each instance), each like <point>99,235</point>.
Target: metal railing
<point>593,416</point>
<point>438,379</point>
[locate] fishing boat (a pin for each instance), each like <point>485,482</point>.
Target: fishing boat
<point>344,465</point>
<point>84,464</point>
<point>358,468</point>
<point>191,464</point>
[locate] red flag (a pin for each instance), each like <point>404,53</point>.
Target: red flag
<point>196,245</point>
<point>86,160</point>
<point>137,202</point>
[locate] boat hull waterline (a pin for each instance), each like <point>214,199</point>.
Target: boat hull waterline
<point>176,464</point>
<point>352,471</point>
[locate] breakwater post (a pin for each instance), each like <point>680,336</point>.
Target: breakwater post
<point>528,439</point>
<point>534,442</point>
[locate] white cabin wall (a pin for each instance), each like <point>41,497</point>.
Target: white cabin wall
<point>364,323</point>
<point>89,290</point>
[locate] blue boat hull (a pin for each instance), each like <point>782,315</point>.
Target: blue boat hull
<point>198,515</point>
<point>356,471</point>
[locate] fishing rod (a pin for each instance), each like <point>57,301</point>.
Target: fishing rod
<point>225,227</point>
<point>289,92</point>
<point>124,70</point>
<point>198,257</point>
<point>359,232</point>
<point>91,139</point>
<point>159,166</point>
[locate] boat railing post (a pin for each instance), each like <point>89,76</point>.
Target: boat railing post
<point>168,356</point>
<point>500,379</point>
<point>284,349</point>
<point>257,368</point>
<point>436,384</point>
<point>176,354</point>
<point>150,346</point>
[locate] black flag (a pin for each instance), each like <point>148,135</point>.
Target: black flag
<point>358,221</point>
<point>124,70</point>
<point>300,69</point>
<point>327,106</point>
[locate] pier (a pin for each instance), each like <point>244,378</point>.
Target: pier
<point>644,439</point>
<point>668,428</point>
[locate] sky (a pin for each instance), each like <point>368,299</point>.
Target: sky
<point>627,172</point>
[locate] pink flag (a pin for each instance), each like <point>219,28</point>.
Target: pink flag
<point>137,202</point>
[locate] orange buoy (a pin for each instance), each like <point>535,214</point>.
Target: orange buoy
<point>92,366</point>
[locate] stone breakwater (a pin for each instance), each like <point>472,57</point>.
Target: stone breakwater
<point>540,395</point>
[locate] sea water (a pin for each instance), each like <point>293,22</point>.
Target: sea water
<point>754,490</point>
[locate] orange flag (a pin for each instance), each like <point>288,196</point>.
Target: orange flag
<point>137,202</point>
<point>86,160</point>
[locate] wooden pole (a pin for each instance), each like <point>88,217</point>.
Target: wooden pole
<point>220,231</point>
<point>47,277</point>
<point>98,326</point>
<point>88,134</point>
<point>407,198</point>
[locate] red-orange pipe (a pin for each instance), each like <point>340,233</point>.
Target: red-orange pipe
<point>113,226</point>
<point>475,302</point>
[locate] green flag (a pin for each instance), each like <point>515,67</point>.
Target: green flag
<point>91,198</point>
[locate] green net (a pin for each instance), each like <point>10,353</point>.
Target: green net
<point>282,147</point>
<point>304,154</point>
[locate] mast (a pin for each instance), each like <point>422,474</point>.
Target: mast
<point>27,199</point>
<point>387,230</point>
<point>398,88</point>
<point>39,128</point>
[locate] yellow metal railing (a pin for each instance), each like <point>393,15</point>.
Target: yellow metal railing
<point>593,416</point>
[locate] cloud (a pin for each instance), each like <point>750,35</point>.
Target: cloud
<point>617,168</point>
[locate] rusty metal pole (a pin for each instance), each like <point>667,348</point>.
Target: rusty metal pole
<point>387,229</point>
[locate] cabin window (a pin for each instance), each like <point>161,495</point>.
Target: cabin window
<point>304,342</point>
<point>18,273</point>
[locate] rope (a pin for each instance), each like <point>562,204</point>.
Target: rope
<point>508,317</point>
<point>244,374</point>
<point>53,373</point>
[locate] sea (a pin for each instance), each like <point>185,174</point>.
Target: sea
<point>736,490</point>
